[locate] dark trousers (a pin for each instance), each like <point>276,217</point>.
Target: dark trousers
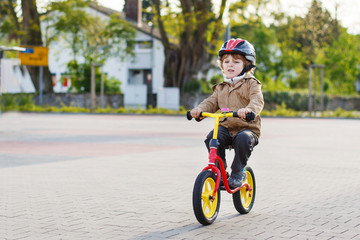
<point>243,143</point>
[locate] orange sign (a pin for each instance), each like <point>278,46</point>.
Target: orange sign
<point>37,57</point>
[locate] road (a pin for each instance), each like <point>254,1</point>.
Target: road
<point>83,176</point>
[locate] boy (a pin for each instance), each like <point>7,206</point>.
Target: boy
<point>241,93</point>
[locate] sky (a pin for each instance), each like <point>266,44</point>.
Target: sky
<point>348,10</point>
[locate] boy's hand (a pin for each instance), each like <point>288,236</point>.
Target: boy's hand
<point>242,112</point>
<point>195,113</point>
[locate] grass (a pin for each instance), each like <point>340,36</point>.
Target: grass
<point>24,103</point>
<point>280,111</point>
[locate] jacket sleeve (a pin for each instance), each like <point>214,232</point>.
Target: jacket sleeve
<point>256,103</point>
<point>210,104</point>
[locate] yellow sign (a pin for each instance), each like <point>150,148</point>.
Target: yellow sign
<point>34,56</point>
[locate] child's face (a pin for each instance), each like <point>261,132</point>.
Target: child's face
<point>232,67</point>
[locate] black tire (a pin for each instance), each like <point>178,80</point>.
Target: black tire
<point>205,209</point>
<point>243,199</point>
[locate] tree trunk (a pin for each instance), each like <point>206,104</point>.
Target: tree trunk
<point>185,60</point>
<point>32,36</point>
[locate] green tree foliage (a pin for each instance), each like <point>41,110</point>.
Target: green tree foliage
<point>247,23</point>
<point>341,59</point>
<point>287,46</point>
<point>10,27</point>
<point>81,73</point>
<point>67,21</point>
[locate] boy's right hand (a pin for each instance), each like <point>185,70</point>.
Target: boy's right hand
<point>195,113</point>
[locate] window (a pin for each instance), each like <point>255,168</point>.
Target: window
<point>144,45</point>
<point>139,76</point>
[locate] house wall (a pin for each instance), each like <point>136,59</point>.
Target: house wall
<point>14,78</point>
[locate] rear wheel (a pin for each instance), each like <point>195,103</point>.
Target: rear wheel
<point>205,208</point>
<point>244,199</point>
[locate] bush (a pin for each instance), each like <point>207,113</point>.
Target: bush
<point>295,100</point>
<point>80,75</point>
<point>25,103</point>
<point>192,86</point>
<point>16,102</point>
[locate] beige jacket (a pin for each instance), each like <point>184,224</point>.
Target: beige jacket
<point>245,93</point>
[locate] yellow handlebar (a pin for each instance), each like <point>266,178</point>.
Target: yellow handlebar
<point>249,117</point>
<point>218,115</point>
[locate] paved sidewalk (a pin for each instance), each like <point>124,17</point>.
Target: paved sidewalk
<point>65,176</point>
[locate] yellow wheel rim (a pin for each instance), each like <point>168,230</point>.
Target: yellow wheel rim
<point>209,206</point>
<point>245,195</point>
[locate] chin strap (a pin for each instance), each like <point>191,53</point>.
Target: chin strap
<point>234,80</point>
<point>246,69</point>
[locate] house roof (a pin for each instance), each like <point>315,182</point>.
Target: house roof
<point>145,28</point>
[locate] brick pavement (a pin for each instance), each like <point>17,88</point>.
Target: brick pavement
<point>66,176</point>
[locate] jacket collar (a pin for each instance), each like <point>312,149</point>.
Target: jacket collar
<point>235,80</point>
<point>239,79</point>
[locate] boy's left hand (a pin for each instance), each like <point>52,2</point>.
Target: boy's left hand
<point>243,111</point>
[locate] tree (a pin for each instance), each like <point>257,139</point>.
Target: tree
<point>31,35</point>
<point>27,29</point>
<point>315,31</point>
<point>89,37</point>
<point>67,18</point>
<point>189,37</point>
<point>341,59</point>
<point>247,23</point>
<point>9,25</point>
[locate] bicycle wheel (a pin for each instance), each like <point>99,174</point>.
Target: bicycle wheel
<point>205,208</point>
<point>243,199</point>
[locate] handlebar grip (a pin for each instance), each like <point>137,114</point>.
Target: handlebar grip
<point>250,116</point>
<point>188,115</point>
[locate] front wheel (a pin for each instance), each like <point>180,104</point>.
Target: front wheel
<point>244,199</point>
<point>205,208</point>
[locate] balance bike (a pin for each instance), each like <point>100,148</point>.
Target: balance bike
<point>206,192</point>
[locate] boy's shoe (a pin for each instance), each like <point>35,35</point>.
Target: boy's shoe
<point>236,179</point>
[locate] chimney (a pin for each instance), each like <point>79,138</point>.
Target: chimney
<point>133,11</point>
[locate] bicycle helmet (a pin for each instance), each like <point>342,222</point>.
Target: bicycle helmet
<point>239,46</point>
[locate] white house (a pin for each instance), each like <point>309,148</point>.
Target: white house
<point>139,76</point>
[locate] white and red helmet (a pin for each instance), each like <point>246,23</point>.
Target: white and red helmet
<point>239,46</point>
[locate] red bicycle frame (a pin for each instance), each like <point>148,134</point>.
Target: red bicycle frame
<point>213,157</point>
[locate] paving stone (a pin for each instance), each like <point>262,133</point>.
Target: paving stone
<point>82,176</point>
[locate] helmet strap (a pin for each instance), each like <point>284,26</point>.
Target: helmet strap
<point>246,69</point>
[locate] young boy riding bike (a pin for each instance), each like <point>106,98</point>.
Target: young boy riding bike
<point>240,92</point>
